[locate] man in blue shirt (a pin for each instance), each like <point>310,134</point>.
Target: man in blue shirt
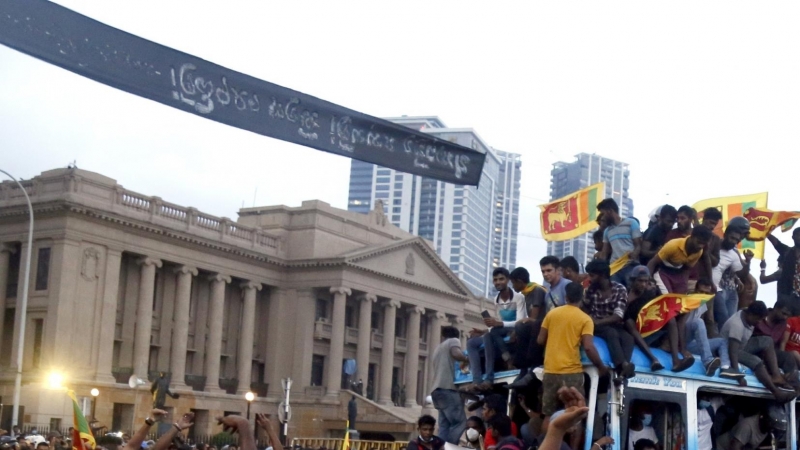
<point>622,237</point>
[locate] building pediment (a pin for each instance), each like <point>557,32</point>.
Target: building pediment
<point>410,260</point>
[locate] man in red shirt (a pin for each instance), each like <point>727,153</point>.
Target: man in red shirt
<point>495,404</point>
<point>791,338</point>
<point>774,326</point>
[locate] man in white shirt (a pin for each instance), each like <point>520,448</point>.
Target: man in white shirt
<point>726,302</point>
<point>640,426</point>
<point>509,309</point>
<point>707,406</point>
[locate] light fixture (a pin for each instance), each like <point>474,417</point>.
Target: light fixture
<point>249,396</point>
<point>95,392</point>
<point>55,380</point>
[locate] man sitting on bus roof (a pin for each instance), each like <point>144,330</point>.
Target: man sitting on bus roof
<point>697,340</point>
<point>622,237</point>
<point>510,308</point>
<point>742,348</point>
<point>638,296</point>
<point>529,353</point>
<point>605,303</point>
<point>774,327</point>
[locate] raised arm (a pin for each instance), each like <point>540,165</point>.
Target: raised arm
<point>182,424</point>
<point>241,425</point>
<point>136,440</point>
<point>264,422</point>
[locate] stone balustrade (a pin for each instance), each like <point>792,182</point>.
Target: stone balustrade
<point>105,194</point>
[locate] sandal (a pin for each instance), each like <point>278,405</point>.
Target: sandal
<point>683,365</point>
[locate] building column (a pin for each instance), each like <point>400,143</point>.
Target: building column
<point>435,321</point>
<point>364,336</point>
<point>244,359</point>
<point>214,341</point>
<point>144,316</point>
<point>412,355</point>
<point>5,256</point>
<point>108,321</point>
<point>387,352</point>
<point>458,322</point>
<point>180,330</point>
<point>334,381</point>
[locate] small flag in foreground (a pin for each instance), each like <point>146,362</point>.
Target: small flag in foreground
<point>658,311</point>
<point>346,443</point>
<point>763,221</point>
<point>572,215</point>
<point>82,437</point>
<point>733,207</point>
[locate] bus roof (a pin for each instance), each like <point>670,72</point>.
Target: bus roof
<point>642,363</point>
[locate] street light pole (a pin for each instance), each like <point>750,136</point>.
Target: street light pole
<point>250,396</point>
<point>23,306</point>
<point>94,393</point>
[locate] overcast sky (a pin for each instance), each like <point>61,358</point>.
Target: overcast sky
<point>702,99</point>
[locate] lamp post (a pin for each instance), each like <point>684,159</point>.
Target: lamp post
<point>249,397</point>
<point>23,306</point>
<point>94,393</point>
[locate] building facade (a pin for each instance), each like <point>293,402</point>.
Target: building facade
<point>473,229</point>
<point>126,284</point>
<point>586,170</point>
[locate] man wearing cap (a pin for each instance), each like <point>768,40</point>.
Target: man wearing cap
<point>751,431</point>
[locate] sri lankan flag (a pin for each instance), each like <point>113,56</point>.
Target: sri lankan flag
<point>658,311</point>
<point>572,215</point>
<point>763,221</point>
<point>82,438</point>
<point>621,262</point>
<point>732,207</point>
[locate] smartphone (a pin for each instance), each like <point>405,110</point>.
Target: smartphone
<point>485,314</point>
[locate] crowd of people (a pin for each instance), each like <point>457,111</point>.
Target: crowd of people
<point>547,324</point>
<point>173,439</point>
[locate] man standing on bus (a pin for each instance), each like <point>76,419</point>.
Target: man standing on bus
<point>563,332</point>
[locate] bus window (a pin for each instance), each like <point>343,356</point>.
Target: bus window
<point>660,422</point>
<point>752,421</point>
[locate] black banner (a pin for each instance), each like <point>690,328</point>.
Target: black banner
<point>110,56</point>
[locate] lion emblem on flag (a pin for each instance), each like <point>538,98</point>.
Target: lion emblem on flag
<point>559,214</point>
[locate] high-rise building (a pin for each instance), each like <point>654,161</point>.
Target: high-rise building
<point>474,229</point>
<point>586,170</point>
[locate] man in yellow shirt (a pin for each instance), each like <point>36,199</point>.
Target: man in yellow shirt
<point>564,330</point>
<point>671,266</point>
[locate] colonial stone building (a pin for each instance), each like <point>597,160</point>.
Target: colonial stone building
<point>122,283</point>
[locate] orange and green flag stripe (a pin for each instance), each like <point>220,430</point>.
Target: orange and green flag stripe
<point>572,215</point>
<point>734,206</point>
<point>82,437</point>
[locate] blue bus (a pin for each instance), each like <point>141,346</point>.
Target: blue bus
<point>671,397</point>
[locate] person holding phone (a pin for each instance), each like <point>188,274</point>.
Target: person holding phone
<point>509,309</point>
